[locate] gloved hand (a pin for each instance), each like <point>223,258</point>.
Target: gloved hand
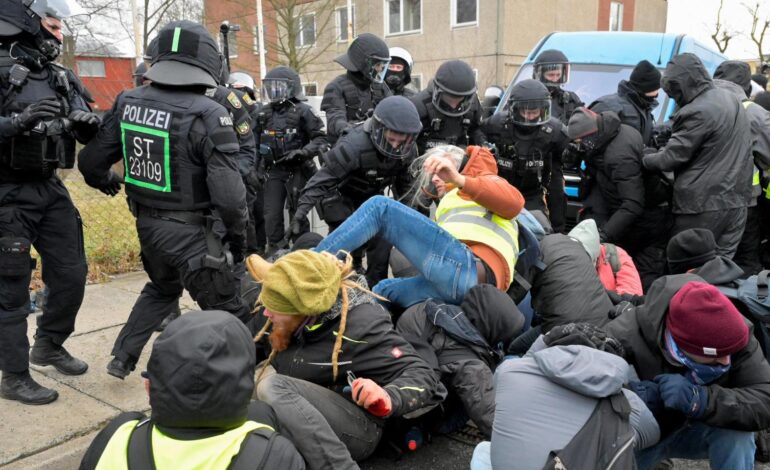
<point>678,393</point>
<point>295,228</point>
<point>80,116</point>
<point>294,156</point>
<point>373,398</point>
<point>649,392</point>
<point>112,185</point>
<point>44,109</point>
<point>236,244</point>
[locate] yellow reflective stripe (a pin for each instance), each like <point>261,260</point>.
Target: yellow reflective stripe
<point>414,389</point>
<point>458,210</point>
<point>314,327</point>
<point>755,179</point>
<point>350,339</point>
<point>482,221</point>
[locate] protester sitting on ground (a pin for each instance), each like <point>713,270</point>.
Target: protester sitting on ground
<point>339,369</point>
<point>614,266</point>
<point>546,402</point>
<point>200,379</point>
<point>464,344</point>
<point>695,251</point>
<point>701,373</point>
<point>473,241</point>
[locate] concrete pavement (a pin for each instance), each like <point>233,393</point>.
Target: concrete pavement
<point>55,436</point>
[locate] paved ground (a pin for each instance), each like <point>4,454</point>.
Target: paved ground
<point>55,436</point>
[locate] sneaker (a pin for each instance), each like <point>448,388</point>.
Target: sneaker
<point>22,387</point>
<point>47,353</point>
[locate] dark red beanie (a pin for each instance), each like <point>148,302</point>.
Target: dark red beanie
<point>704,322</point>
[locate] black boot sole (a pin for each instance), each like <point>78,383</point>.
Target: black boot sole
<point>63,371</point>
<point>30,402</point>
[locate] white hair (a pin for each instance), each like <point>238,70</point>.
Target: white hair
<point>421,188</point>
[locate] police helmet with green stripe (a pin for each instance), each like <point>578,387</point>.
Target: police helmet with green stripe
<point>187,54</point>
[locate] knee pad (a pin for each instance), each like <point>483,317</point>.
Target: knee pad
<point>16,267</point>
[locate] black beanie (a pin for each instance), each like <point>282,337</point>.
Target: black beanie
<point>690,249</point>
<point>760,80</point>
<point>645,77</point>
<point>763,99</point>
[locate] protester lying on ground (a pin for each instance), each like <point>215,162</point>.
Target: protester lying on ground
<point>701,373</point>
<point>464,344</point>
<point>614,266</point>
<point>329,334</point>
<point>473,241</point>
<point>200,379</point>
<point>565,397</point>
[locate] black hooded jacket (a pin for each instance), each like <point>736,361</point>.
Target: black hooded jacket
<point>630,107</point>
<point>711,138</point>
<point>740,399</point>
<point>616,190</point>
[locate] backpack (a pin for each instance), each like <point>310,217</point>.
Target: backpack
<point>752,299</point>
<point>255,447</point>
<point>605,442</point>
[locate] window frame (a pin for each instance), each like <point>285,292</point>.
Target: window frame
<point>621,11</point>
<point>306,84</point>
<point>91,61</point>
<point>302,27</point>
<point>386,19</point>
<point>453,16</point>
<point>337,18</point>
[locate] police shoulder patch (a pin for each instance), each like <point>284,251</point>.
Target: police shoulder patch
<point>243,128</point>
<point>247,99</point>
<point>547,129</point>
<point>225,121</point>
<point>234,100</point>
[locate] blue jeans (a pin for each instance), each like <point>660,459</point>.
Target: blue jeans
<point>447,266</point>
<point>726,449</point>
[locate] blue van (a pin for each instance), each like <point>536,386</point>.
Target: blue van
<point>600,59</point>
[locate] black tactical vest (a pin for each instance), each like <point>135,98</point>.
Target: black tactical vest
<point>359,102</point>
<point>440,129</point>
<point>524,160</point>
<point>279,128</point>
<point>160,172</point>
<point>375,172</point>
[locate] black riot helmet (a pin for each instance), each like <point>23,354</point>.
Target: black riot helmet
<point>25,17</point>
<point>282,84</point>
<point>551,68</point>
<point>529,104</point>
<point>454,88</point>
<point>394,127</point>
<point>367,54</point>
<point>141,69</point>
<point>187,54</point>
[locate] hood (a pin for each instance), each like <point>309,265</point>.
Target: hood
<point>587,233</point>
<point>685,78</point>
<point>719,270</point>
<point>737,72</point>
<point>731,88</point>
<point>493,313</point>
<point>480,162</point>
<point>655,307</point>
<point>582,369</point>
<point>609,126</point>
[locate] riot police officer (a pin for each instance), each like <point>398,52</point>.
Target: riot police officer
<point>552,68</point>
<point>365,161</point>
<point>180,153</point>
<point>399,74</point>
<point>43,110</point>
<point>529,143</point>
<point>449,109</point>
<point>294,136</point>
<point>350,98</point>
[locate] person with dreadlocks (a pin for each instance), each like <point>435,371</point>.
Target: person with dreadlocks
<point>337,370</point>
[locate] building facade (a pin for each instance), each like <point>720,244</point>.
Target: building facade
<point>493,36</point>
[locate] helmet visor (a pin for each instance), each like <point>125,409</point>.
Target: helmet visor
<point>276,90</point>
<point>377,69</point>
<point>530,112</point>
<point>59,9</point>
<point>451,105</point>
<point>390,143</point>
<point>552,74</point>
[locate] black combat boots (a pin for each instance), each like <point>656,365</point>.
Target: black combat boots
<point>21,387</point>
<point>47,353</point>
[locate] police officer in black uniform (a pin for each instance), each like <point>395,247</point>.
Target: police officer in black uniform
<point>449,109</point>
<point>552,68</point>
<point>294,135</point>
<point>350,98</point>
<point>365,161</point>
<point>529,144</point>
<point>181,158</point>
<point>399,74</point>
<point>43,110</point>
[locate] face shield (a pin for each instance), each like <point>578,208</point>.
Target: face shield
<point>241,80</point>
<point>449,104</point>
<point>276,90</point>
<point>530,112</point>
<point>551,74</point>
<point>377,67</point>
<point>390,143</point>
<point>68,12</point>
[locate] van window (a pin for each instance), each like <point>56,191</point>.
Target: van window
<point>591,81</point>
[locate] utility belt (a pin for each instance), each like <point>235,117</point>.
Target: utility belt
<point>335,208</point>
<point>179,216</point>
<point>44,148</point>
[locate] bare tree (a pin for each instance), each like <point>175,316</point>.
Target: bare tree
<point>759,28</point>
<point>721,36</point>
<point>291,20</point>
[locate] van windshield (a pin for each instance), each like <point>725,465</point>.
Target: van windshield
<point>590,81</point>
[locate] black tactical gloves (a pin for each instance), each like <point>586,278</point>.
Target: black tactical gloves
<point>44,109</point>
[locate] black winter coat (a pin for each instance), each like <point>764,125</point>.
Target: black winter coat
<point>739,400</point>
<point>630,107</point>
<point>709,145</point>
